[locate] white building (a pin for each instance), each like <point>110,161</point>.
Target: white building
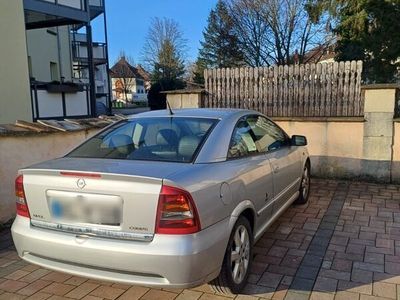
<point>128,85</point>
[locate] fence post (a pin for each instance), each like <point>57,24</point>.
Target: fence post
<point>379,140</point>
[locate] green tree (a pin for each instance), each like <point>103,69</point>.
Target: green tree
<point>368,30</point>
<point>220,48</point>
<point>198,74</point>
<point>168,64</point>
<point>164,54</point>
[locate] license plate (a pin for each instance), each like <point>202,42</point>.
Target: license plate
<point>85,208</point>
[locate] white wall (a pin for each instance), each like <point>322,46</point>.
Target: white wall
<point>15,98</point>
<point>21,151</point>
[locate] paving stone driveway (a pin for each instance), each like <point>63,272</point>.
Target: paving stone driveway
<point>345,244</point>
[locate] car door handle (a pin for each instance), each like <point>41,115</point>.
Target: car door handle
<point>276,169</point>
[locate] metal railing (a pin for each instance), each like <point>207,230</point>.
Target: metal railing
<point>79,50</point>
<point>98,3</point>
<point>52,103</point>
<point>77,4</point>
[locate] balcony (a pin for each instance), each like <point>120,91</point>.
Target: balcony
<point>80,53</point>
<point>51,13</point>
<point>52,100</point>
<point>78,4</point>
<point>96,8</point>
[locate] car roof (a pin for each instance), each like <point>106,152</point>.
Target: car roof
<point>216,113</point>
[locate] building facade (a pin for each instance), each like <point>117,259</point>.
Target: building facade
<point>49,66</point>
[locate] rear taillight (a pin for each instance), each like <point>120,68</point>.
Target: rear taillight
<point>176,212</point>
<point>22,207</point>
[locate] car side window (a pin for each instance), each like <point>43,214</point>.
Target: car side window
<point>268,136</point>
<point>242,142</point>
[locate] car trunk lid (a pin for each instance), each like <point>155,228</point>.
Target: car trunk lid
<point>108,198</point>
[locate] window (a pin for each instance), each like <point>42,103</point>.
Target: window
<point>242,143</point>
<point>54,75</point>
<point>256,134</point>
<point>268,136</point>
<point>174,139</point>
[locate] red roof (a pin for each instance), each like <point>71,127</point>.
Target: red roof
<point>122,69</point>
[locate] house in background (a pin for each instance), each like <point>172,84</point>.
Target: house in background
<point>129,84</point>
<point>146,76</point>
<point>319,54</point>
<point>49,66</point>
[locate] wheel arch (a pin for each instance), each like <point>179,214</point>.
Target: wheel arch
<point>307,162</point>
<point>245,208</point>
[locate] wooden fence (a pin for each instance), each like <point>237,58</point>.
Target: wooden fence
<point>311,90</point>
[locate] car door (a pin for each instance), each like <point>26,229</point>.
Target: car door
<point>253,171</point>
<point>284,158</point>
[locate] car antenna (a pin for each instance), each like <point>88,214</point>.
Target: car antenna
<point>169,108</point>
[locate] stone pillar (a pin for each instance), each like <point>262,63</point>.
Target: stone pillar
<point>378,131</point>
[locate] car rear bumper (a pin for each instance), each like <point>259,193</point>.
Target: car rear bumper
<point>168,261</point>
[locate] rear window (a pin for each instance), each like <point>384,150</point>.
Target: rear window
<point>175,139</point>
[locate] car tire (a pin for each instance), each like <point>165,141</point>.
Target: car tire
<point>234,274</point>
<point>304,186</point>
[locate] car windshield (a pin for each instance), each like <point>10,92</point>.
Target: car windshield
<point>175,139</point>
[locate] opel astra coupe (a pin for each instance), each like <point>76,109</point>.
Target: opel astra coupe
<point>167,199</point>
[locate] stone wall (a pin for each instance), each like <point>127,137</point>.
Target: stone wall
<point>335,146</point>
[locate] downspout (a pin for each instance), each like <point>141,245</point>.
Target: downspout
<point>60,70</point>
<point>109,85</point>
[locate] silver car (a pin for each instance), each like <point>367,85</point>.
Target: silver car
<point>167,199</point>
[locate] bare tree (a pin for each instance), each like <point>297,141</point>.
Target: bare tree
<point>278,31</point>
<point>252,31</point>
<point>162,34</point>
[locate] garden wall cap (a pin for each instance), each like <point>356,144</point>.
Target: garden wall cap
<point>25,128</point>
<point>380,86</point>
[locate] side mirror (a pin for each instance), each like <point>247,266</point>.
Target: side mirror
<point>299,140</point>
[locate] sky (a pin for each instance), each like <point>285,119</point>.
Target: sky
<point>128,22</point>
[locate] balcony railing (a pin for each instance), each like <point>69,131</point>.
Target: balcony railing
<point>51,13</point>
<point>80,53</point>
<point>59,101</point>
<point>77,4</point>
<point>96,3</point>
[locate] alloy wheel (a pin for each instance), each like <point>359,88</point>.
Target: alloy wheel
<point>305,183</point>
<point>240,254</point>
